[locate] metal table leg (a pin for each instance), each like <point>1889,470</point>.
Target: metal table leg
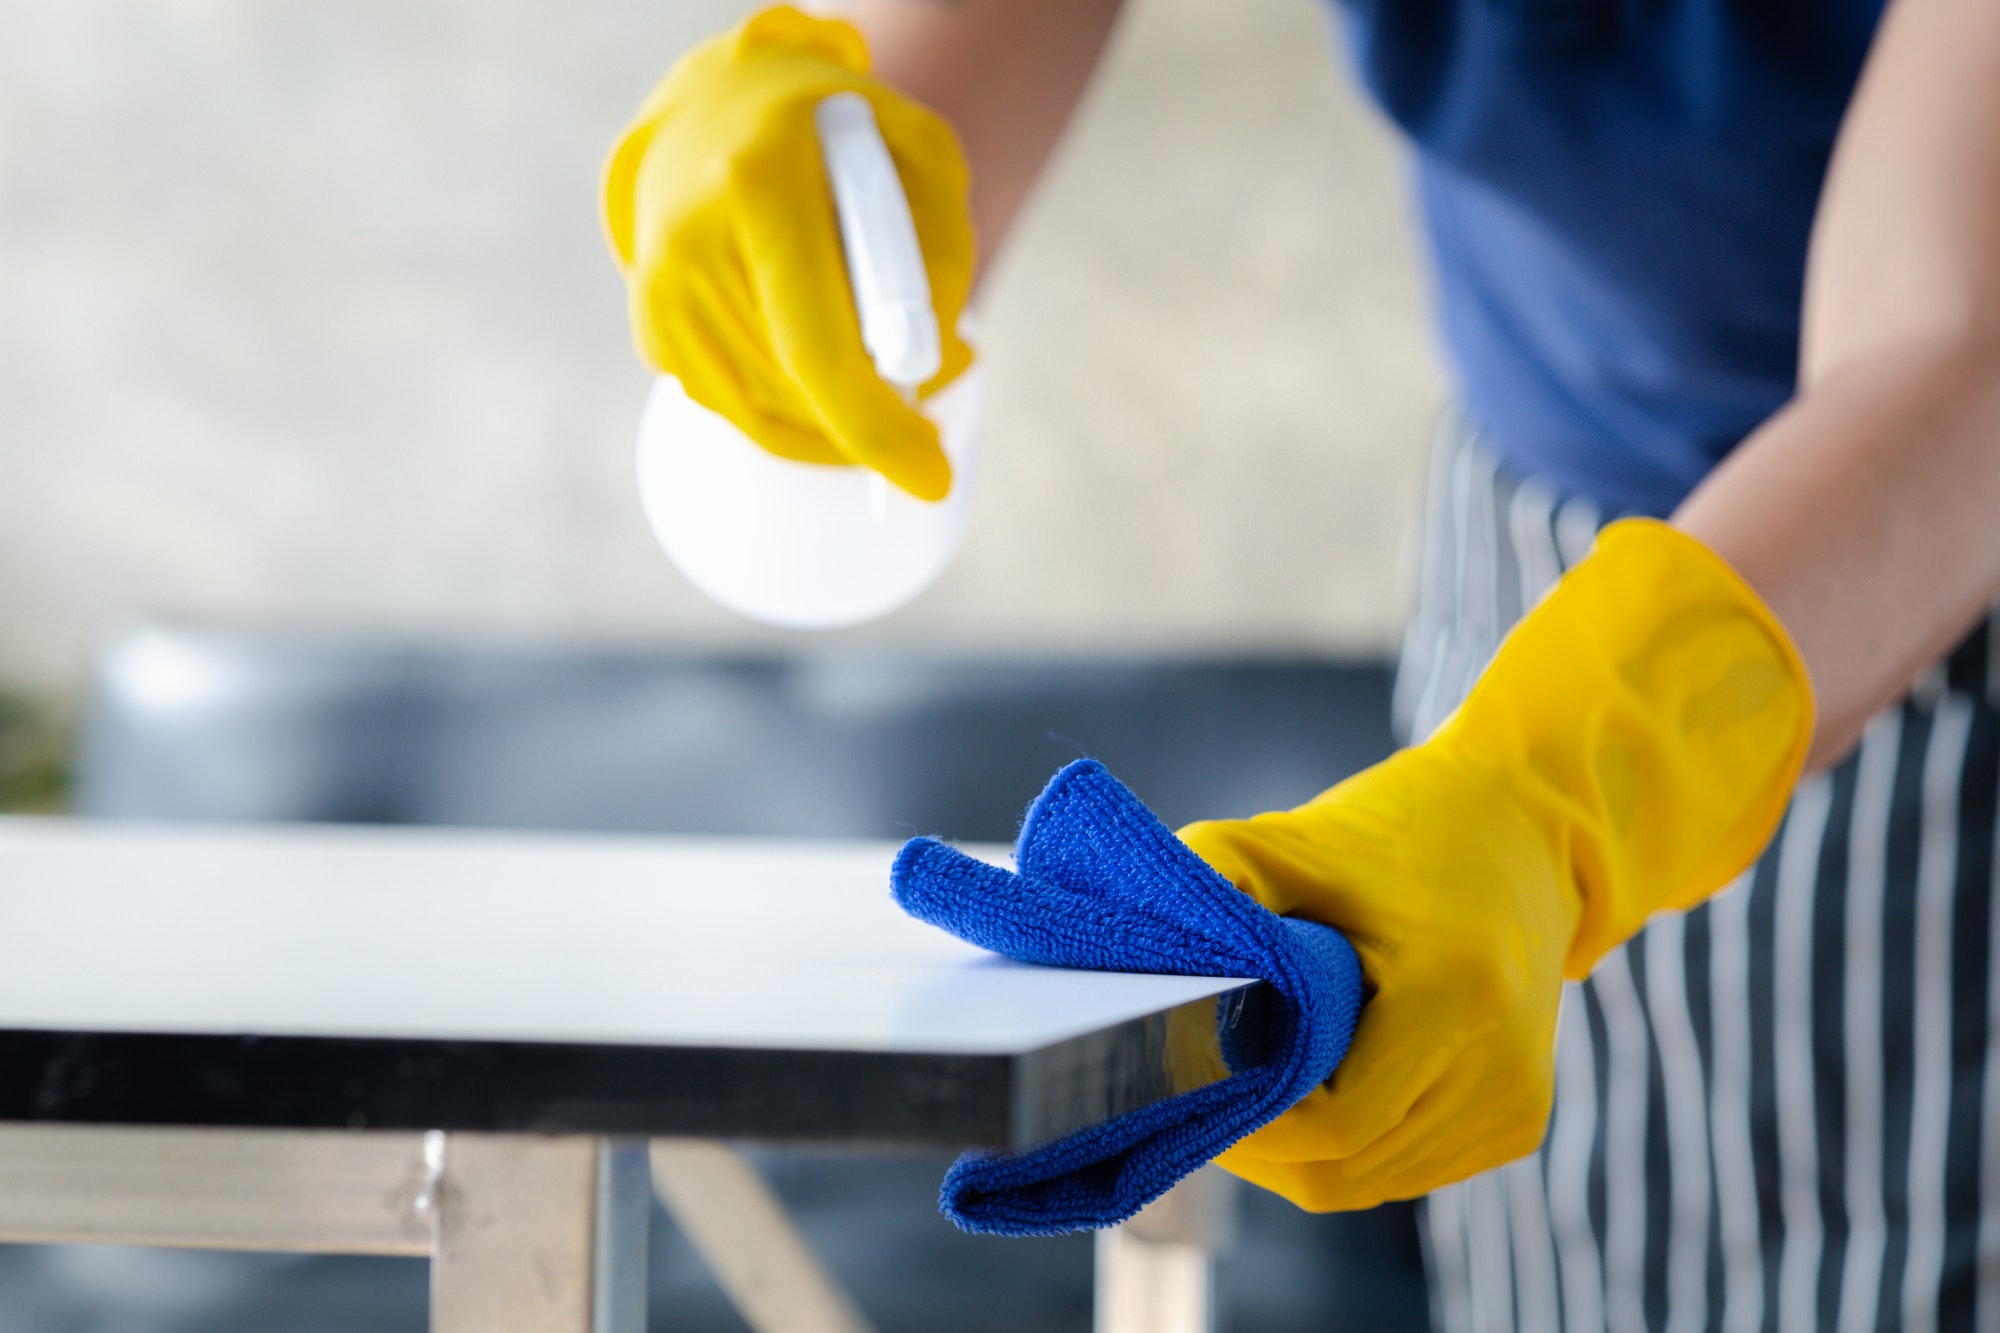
<point>1157,1272</point>
<point>740,1229</point>
<point>537,1235</point>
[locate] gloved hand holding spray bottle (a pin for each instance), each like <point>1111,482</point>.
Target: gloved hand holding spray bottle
<point>799,253</point>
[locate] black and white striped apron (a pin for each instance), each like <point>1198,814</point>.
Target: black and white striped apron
<point>1777,1111</point>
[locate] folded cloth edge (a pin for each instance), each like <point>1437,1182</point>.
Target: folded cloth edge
<point>1104,859</point>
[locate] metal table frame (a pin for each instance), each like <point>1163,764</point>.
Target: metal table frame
<point>525,1233</point>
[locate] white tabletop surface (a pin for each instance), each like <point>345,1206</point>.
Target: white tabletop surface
<point>384,932</point>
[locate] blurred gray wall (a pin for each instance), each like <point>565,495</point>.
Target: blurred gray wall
<point>305,319</point>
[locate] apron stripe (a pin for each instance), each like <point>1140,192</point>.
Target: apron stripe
<point>1529,518</point>
<point>1625,1123</point>
<point>1974,920</point>
<point>1491,1257</point>
<point>1738,1219</point>
<point>1444,1216</point>
<point>1571,1144</point>
<point>1899,1009</point>
<point>1989,1172</point>
<point>1930,1118</point>
<point>1792,1064</point>
<point>1535,1281</point>
<point>1860,1289</point>
<point>1686,1095</point>
<point>1993,659</point>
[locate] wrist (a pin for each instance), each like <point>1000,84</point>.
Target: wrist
<point>1653,715</point>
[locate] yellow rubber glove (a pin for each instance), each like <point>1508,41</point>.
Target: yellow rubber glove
<point>718,208</point>
<point>1630,749</point>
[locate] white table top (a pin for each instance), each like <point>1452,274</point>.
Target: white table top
<point>444,935</point>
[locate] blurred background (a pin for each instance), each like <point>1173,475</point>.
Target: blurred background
<point>305,318</point>
<point>317,413</point>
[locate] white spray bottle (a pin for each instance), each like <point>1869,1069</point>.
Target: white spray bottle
<point>806,545</point>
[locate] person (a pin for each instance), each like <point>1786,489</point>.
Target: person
<point>1720,284</point>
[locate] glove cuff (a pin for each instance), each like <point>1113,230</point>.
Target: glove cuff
<point>1653,714</point>
<point>790,29</point>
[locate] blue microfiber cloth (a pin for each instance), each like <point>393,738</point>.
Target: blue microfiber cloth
<point>1101,883</point>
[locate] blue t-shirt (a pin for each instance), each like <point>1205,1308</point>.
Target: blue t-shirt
<point>1618,195</point>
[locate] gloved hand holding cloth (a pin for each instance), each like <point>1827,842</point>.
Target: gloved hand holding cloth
<point>1100,883</point>
<point>1630,749</point>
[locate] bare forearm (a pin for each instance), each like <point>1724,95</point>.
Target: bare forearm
<point>1867,513</point>
<point>1006,73</point>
